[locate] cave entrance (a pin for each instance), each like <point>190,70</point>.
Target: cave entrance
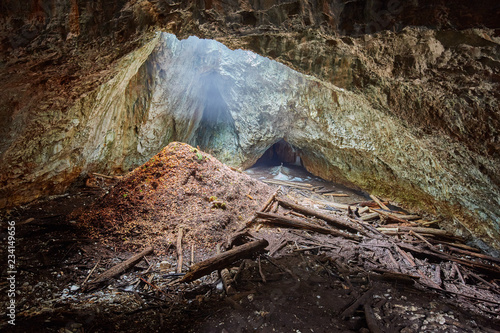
<point>280,153</point>
<point>281,161</point>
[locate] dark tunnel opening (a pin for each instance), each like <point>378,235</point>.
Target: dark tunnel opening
<point>280,153</point>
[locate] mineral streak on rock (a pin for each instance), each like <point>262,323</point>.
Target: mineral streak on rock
<point>407,112</point>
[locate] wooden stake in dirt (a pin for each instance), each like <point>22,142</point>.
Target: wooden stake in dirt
<point>121,267</point>
<point>223,260</point>
<point>90,273</point>
<point>262,276</point>
<point>179,250</point>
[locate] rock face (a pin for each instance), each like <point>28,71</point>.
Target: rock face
<point>410,113</point>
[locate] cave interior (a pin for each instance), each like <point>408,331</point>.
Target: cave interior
<point>292,166</point>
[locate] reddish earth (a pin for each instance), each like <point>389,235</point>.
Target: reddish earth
<point>179,187</point>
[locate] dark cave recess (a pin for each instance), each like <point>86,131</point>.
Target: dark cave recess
<point>278,153</point>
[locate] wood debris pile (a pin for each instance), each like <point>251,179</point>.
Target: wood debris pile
<point>400,249</point>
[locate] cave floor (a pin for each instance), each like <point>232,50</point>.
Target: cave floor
<point>305,283</point>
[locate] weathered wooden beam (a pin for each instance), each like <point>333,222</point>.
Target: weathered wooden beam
<point>123,266</point>
<point>224,259</point>
<point>328,219</point>
<point>298,224</point>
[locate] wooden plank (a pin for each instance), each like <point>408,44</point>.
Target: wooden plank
<point>298,224</point>
<point>370,216</point>
<point>380,203</point>
<point>336,195</point>
<point>302,186</point>
<point>328,219</point>
<point>224,259</point>
<point>440,255</point>
<point>123,266</point>
<point>428,231</point>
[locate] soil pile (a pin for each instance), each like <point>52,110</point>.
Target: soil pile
<point>179,187</point>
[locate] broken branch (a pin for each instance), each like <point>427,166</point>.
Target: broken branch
<point>223,260</point>
<point>121,267</point>
<point>295,223</point>
<point>328,219</point>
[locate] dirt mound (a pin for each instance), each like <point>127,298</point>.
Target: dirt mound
<point>180,186</point>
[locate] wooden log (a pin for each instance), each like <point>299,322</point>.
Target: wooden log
<point>226,281</point>
<point>336,194</point>
<point>380,203</point>
<point>474,254</point>
<point>428,231</point>
<point>390,216</point>
<point>393,276</point>
<point>349,311</point>
<point>440,255</point>
<point>224,259</point>
<point>301,186</point>
<point>407,217</point>
<point>370,216</point>
<point>371,321</point>
<point>269,202</point>
<point>264,208</point>
<point>179,250</point>
<point>123,266</point>
<point>371,204</point>
<point>461,246</point>
<point>298,224</point>
<point>328,219</point>
<point>334,204</point>
<point>422,238</point>
<point>364,210</point>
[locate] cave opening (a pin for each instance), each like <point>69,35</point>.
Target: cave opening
<point>216,125</point>
<point>279,153</point>
<point>282,161</point>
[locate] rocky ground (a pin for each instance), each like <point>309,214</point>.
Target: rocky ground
<point>375,279</point>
